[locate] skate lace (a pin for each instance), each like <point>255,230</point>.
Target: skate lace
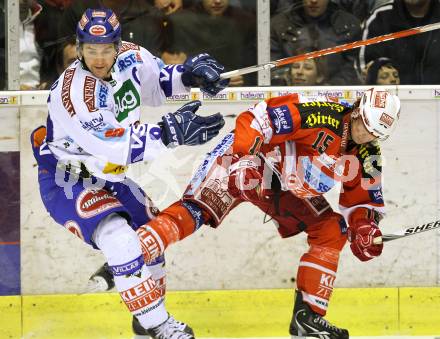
<point>171,329</point>
<point>323,322</point>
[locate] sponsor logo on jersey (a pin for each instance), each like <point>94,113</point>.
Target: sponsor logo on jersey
<point>116,169</point>
<point>95,124</point>
<point>386,119</point>
<point>127,61</point>
<point>102,95</point>
<point>320,114</point>
<point>281,119</point>
<point>196,213</point>
<point>376,196</point>
<point>74,228</point>
<point>126,46</point>
<point>93,202</point>
<point>332,106</point>
<point>114,133</point>
<point>54,85</point>
<point>97,30</point>
<point>315,178</point>
<point>127,98</point>
<point>315,120</point>
<point>203,169</point>
<point>89,93</point>
<point>369,154</point>
<point>65,91</point>
<point>331,163</point>
<point>216,198</point>
<point>344,138</point>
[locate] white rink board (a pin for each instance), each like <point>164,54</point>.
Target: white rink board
<point>243,253</point>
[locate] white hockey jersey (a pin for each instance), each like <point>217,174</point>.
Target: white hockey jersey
<point>96,122</point>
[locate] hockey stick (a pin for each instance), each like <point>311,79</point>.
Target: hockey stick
<point>407,232</point>
<point>331,50</point>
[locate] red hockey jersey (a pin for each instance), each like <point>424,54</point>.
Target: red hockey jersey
<point>306,142</point>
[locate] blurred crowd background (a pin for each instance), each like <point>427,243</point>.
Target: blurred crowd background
<point>227,29</point>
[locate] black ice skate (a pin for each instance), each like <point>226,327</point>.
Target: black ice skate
<point>169,329</point>
<point>308,324</point>
<point>102,280</point>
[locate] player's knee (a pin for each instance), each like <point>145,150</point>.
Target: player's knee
<point>117,240</point>
<point>323,253</point>
<point>333,233</point>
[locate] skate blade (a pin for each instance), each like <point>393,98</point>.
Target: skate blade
<point>308,337</point>
<point>138,336</point>
<point>96,285</point>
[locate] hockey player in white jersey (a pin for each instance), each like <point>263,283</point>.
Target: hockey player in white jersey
<point>93,133</point>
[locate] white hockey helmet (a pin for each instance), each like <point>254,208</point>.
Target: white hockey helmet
<point>380,111</point>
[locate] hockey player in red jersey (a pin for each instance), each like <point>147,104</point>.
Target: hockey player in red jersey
<point>284,154</point>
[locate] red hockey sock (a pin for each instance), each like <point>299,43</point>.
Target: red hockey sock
<point>316,276</point>
<point>171,225</point>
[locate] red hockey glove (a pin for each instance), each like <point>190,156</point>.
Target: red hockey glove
<point>362,231</point>
<point>244,178</point>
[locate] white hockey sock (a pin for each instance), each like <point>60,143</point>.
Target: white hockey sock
<point>158,272</point>
<point>133,279</point>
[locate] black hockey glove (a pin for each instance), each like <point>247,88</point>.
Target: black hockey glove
<point>184,127</point>
<point>204,71</point>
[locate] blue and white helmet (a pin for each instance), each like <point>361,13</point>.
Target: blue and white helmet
<point>98,26</point>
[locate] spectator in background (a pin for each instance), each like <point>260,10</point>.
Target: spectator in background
<point>317,24</point>
<point>168,6</point>
<point>66,55</point>
<point>360,8</point>
<point>141,22</point>
<point>2,47</point>
<point>171,53</point>
<point>173,57</point>
<point>29,51</point>
<point>381,72</point>
<point>46,35</point>
<point>415,57</point>
<point>311,72</point>
<point>226,32</point>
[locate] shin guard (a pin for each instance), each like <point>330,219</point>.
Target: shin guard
<point>316,276</point>
<point>134,281</point>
